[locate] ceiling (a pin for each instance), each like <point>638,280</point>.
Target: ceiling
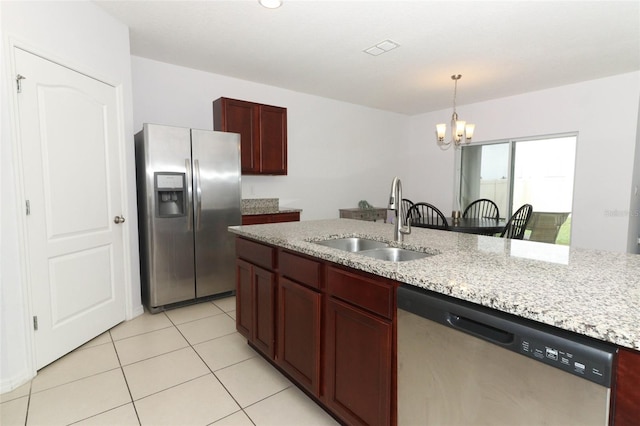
<point>316,47</point>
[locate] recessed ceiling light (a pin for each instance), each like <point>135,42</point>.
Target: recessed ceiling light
<point>271,4</point>
<point>382,47</point>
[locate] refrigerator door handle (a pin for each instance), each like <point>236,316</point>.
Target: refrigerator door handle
<point>187,165</point>
<point>198,190</point>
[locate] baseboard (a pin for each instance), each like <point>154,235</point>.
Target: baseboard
<point>8,384</point>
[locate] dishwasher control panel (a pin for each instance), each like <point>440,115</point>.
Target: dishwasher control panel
<point>569,357</point>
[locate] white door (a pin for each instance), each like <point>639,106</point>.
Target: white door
<point>68,126</point>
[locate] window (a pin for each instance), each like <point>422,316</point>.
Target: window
<point>524,171</point>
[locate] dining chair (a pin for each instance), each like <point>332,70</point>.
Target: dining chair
<point>517,223</point>
<point>482,208</point>
<point>406,205</point>
<point>429,215</point>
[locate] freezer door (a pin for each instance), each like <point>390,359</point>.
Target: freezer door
<point>165,217</point>
<point>216,193</point>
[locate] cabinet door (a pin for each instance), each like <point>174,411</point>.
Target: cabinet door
<point>273,140</point>
<point>626,403</point>
<point>241,117</point>
<point>299,333</point>
<point>244,297</point>
<point>358,364</point>
<point>264,294</point>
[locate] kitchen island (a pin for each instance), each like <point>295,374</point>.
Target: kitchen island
<point>592,293</point>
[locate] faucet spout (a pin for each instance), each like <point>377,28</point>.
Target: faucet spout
<point>395,203</point>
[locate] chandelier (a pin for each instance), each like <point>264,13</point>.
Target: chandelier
<point>461,131</point>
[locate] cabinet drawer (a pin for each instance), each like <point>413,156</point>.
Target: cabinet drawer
<point>270,218</point>
<point>300,269</point>
<point>372,295</point>
<point>256,253</point>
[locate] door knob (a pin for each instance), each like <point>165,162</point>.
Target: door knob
<point>118,219</point>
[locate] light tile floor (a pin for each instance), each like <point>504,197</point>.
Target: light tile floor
<point>186,366</point>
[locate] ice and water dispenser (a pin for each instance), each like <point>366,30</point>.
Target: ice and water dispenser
<point>170,191</point>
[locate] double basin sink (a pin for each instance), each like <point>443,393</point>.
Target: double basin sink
<point>375,249</point>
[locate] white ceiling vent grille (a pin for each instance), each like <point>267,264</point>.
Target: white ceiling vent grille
<point>382,47</point>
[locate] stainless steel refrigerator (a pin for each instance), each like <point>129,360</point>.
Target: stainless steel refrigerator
<point>188,194</point>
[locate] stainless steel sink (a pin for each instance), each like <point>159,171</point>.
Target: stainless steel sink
<point>353,244</point>
<point>394,254</point>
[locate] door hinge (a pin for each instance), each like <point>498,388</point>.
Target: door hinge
<point>28,207</point>
<point>35,322</point>
<point>19,79</point>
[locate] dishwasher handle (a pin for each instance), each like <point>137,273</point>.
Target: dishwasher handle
<point>478,329</point>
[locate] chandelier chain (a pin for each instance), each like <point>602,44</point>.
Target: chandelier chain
<point>455,93</point>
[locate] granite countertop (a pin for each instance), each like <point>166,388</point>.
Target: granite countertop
<point>590,292</point>
<point>254,206</point>
<point>268,210</point>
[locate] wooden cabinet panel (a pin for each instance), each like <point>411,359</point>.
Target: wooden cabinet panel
<point>301,269</point>
<point>358,364</point>
<point>299,333</point>
<point>256,253</point>
<point>256,219</point>
<point>626,403</point>
<point>263,134</point>
<point>256,294</point>
<point>264,294</point>
<point>273,140</point>
<point>244,298</point>
<point>369,293</point>
<point>237,116</point>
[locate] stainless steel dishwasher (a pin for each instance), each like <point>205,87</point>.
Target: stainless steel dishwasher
<point>463,364</point>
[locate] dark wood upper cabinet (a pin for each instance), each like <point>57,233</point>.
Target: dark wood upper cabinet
<point>263,134</point>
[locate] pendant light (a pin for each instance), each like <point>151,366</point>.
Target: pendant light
<point>461,131</point>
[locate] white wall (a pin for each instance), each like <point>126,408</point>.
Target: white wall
<point>604,112</point>
<point>82,36</point>
<point>338,153</point>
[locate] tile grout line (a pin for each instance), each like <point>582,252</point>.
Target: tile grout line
<point>26,415</point>
<point>133,404</point>
<point>213,372</point>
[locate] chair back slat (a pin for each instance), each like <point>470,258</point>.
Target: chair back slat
<point>517,223</point>
<point>430,215</point>
<point>482,208</point>
<point>406,206</point>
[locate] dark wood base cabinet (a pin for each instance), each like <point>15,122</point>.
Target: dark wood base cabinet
<point>626,402</point>
<point>299,333</point>
<point>255,294</point>
<point>358,365</point>
<point>256,219</point>
<point>335,334</point>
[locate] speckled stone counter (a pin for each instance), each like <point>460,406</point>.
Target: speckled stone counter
<point>255,206</point>
<point>594,293</point>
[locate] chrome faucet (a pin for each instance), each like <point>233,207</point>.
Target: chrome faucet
<point>395,203</point>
